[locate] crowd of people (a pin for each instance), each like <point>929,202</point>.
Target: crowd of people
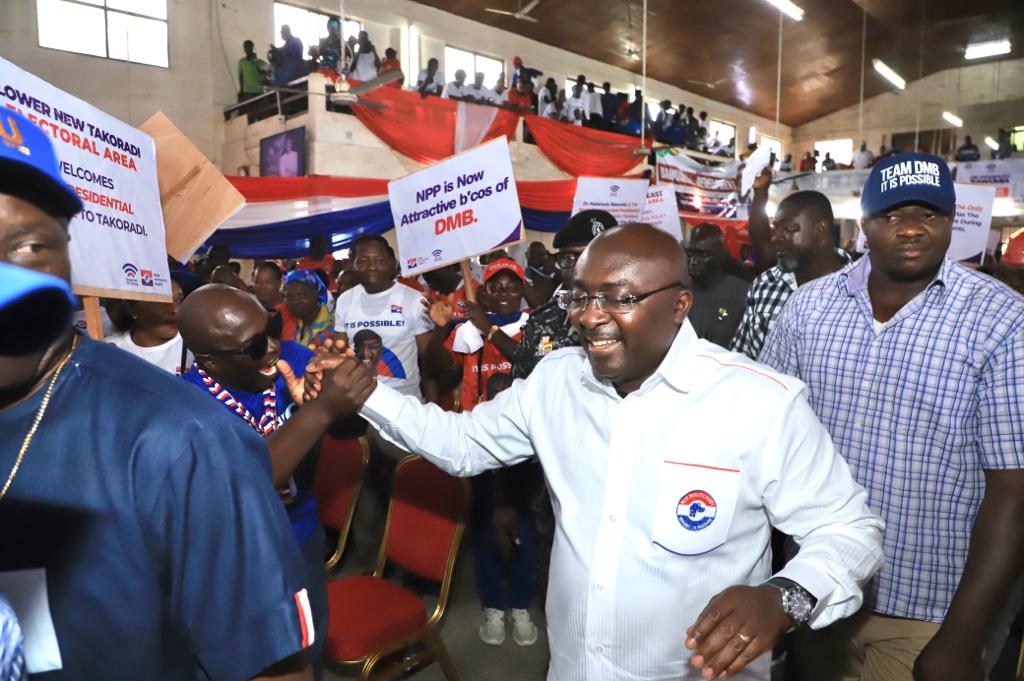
<point>639,416</point>
<point>584,103</point>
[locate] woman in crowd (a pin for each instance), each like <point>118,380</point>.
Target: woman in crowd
<point>306,298</point>
<point>150,331</point>
<point>483,345</point>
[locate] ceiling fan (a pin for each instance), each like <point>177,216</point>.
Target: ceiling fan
<point>347,94</point>
<point>523,13</point>
<point>709,83</point>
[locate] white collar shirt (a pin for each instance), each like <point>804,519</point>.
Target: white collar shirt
<point>574,104</point>
<point>661,499</point>
<point>437,81</point>
<point>453,89</point>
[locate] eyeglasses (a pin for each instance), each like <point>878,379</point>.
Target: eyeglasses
<point>566,260</point>
<point>258,345</point>
<point>577,301</point>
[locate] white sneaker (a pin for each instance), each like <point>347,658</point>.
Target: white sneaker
<point>524,631</point>
<point>492,631</point>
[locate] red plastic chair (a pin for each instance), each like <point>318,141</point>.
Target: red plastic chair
<point>338,480</point>
<point>372,618</point>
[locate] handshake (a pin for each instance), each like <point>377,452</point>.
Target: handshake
<point>334,381</point>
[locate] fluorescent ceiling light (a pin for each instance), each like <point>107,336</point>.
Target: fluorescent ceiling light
<point>992,144</point>
<point>889,74</point>
<point>788,8</point>
<point>987,49</point>
<point>953,118</point>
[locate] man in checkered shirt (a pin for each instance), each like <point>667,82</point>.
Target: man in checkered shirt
<point>803,240</point>
<point>915,364</point>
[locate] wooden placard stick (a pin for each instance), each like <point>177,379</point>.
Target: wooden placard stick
<point>467,281</point>
<point>93,320</point>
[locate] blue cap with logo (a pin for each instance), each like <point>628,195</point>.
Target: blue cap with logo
<point>27,159</point>
<point>35,308</point>
<point>909,177</point>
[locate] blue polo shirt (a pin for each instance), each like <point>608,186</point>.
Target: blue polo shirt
<point>166,552</point>
<point>302,506</point>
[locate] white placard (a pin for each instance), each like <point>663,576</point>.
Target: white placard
<point>973,221</point>
<point>117,241</point>
<point>971,225</point>
<point>455,209</point>
<point>661,211</point>
<point>624,199</point>
<point>755,163</point>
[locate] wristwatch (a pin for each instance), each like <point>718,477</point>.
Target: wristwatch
<point>494,329</point>
<point>797,602</point>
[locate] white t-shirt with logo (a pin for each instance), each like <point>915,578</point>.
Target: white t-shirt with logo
<point>397,316</point>
<point>167,355</point>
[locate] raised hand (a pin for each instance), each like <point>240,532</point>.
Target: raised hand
<point>476,314</point>
<point>763,180</point>
<point>736,626</point>
<point>440,311</point>
<point>332,347</point>
<point>345,386</point>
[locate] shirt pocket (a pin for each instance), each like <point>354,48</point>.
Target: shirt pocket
<point>694,508</point>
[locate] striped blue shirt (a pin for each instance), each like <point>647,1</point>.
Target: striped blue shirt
<point>919,409</point>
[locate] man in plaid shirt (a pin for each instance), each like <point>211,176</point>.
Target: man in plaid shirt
<point>915,365</point>
<point>805,248</point>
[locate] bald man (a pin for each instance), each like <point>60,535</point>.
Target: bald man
<point>718,297</point>
<point>225,274</point>
<point>241,363</point>
<point>661,561</point>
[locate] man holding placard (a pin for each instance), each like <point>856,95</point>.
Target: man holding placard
<point>126,504</point>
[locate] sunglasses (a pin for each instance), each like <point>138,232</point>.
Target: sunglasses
<point>258,345</point>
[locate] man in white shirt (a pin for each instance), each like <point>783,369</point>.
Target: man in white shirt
<point>863,158</point>
<point>430,80</point>
<point>664,509</point>
<point>576,106</point>
<point>393,310</point>
<point>478,93</point>
<point>457,89</point>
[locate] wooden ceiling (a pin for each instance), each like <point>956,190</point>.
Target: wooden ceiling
<point>737,40</point>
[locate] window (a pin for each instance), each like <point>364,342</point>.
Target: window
<point>471,63</point>
<point>1017,137</point>
<point>128,30</point>
<point>307,25</point>
<point>774,144</point>
<point>722,130</point>
<point>654,108</point>
<point>841,150</point>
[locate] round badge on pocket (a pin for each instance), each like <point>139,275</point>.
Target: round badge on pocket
<point>696,510</point>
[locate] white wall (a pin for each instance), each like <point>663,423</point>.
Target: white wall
<point>192,92</point>
<point>987,96</point>
<point>205,44</point>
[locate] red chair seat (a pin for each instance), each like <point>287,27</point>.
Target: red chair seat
<point>369,614</point>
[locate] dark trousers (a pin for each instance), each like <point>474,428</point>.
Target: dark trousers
<point>316,588</point>
<point>502,584</point>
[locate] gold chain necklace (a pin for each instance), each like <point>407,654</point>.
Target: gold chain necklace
<point>40,412</point>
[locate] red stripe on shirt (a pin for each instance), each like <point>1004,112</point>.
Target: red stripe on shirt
<point>753,371</point>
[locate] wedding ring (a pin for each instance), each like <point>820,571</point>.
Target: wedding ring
<point>743,637</point>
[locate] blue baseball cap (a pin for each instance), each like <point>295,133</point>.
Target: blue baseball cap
<point>27,159</point>
<point>909,177</point>
<point>35,309</point>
